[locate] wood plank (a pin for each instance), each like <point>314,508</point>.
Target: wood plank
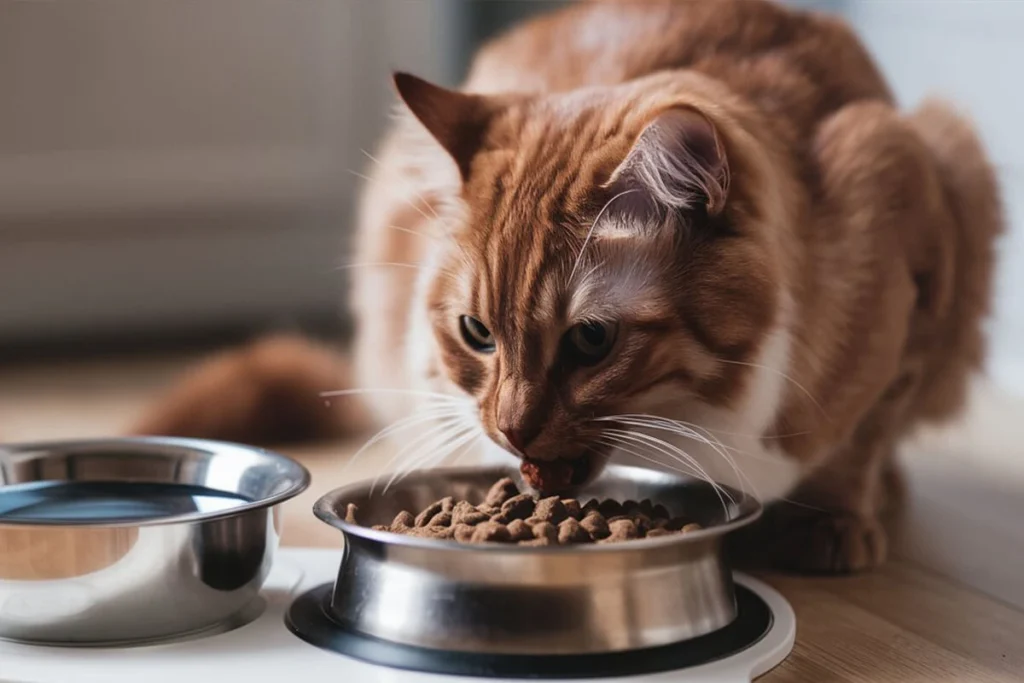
<point>841,641</point>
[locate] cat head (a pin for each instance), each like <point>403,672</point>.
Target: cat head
<point>611,254</point>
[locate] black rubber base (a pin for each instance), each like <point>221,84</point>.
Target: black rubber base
<point>308,620</point>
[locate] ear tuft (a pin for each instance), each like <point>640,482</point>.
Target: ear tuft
<point>455,119</point>
<point>677,163</point>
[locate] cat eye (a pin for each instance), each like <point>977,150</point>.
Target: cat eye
<point>476,335</point>
<point>589,343</point>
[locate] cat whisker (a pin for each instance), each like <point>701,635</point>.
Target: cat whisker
<point>624,444</point>
<point>739,471</point>
<point>400,425</point>
<point>590,232</point>
<point>436,216</point>
<point>408,201</point>
<point>784,376</point>
<point>671,426</point>
<point>417,233</point>
<point>378,264</point>
<point>440,452</point>
<point>675,453</point>
<point>409,450</point>
<point>626,447</point>
<point>709,430</point>
<point>436,395</point>
<point>468,447</point>
<point>418,195</point>
<point>435,450</point>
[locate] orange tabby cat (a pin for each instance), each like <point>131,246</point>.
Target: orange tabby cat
<point>650,229</point>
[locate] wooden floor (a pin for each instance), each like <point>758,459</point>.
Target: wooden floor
<point>900,624</point>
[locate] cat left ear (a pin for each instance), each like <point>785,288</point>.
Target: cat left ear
<point>677,163</point>
<point>455,119</point>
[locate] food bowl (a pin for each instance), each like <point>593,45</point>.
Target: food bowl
<point>122,541</point>
<point>504,599</point>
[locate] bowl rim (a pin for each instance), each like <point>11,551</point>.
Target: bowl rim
<point>325,510</point>
<point>147,446</point>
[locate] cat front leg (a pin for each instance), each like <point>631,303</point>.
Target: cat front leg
<point>834,522</point>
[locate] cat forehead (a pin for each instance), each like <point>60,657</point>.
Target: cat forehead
<point>608,281</point>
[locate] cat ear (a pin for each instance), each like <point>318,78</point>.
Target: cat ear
<point>677,163</point>
<point>455,119</point>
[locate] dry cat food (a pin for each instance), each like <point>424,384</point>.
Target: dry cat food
<point>508,516</point>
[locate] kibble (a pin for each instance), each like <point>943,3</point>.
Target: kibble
<point>518,507</point>
<point>403,520</point>
<point>570,531</point>
<point>502,490</point>
<point>510,517</point>
<point>351,511</point>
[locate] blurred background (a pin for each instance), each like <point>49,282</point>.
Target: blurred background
<point>182,174</point>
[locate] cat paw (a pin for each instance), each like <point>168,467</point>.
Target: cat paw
<point>833,544</point>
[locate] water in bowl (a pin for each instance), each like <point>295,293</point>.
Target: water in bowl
<point>98,502</point>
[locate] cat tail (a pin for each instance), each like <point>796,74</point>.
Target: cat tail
<point>267,393</point>
<point>971,191</point>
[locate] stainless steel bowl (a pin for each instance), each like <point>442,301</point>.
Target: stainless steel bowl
<point>505,599</point>
<point>133,540</point>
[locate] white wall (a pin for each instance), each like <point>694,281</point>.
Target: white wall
<point>186,162</point>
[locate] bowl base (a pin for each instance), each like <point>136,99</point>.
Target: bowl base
<point>308,619</point>
<point>242,617</point>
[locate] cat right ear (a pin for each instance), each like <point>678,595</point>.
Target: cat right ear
<point>677,163</point>
<point>455,119</point>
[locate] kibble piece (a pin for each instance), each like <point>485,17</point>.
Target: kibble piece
<point>380,527</point>
<point>609,508</point>
<point>572,508</point>
<point>488,510</point>
<point>429,532</point>
<point>428,514</point>
<point>518,507</point>
<point>660,512</point>
<point>501,518</point>
<point>595,525</point>
<point>502,490</point>
<point>643,523</point>
<point>647,507</point>
<point>621,530</point>
<point>441,519</point>
<point>490,532</point>
<point>591,505</point>
<point>690,527</point>
<point>463,533</point>
<point>538,542</point>
<point>570,531</point>
<point>351,510</point>
<point>630,507</point>
<point>447,504</point>
<point>518,530</point>
<point>546,530</point>
<point>676,523</point>
<point>465,513</point>
<point>655,533</point>
<point>551,510</point>
<point>403,520</point>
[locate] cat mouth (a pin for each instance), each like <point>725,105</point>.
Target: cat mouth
<point>556,476</point>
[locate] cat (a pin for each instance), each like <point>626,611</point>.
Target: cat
<point>696,235</point>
